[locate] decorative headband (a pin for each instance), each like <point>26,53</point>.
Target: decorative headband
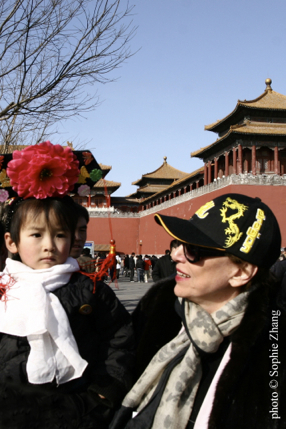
<point>47,170</point>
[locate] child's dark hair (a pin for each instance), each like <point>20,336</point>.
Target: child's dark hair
<point>81,211</point>
<point>63,208</point>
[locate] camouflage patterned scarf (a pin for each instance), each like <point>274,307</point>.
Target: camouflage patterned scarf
<point>207,332</point>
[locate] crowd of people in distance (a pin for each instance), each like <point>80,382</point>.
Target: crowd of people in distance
<point>138,267</point>
<point>204,348</point>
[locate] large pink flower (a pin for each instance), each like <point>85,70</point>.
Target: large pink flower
<point>43,170</point>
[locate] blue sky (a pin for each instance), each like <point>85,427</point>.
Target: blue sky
<point>196,58</point>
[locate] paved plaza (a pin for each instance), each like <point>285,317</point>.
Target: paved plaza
<point>130,293</point>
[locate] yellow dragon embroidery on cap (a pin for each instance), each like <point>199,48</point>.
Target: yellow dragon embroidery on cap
<point>202,213</point>
<point>232,231</point>
<point>253,232</point>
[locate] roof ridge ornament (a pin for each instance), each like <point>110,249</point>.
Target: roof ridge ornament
<point>165,160</point>
<point>268,83</point>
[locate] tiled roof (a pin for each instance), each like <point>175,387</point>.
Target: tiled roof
<point>11,148</point>
<point>176,183</point>
<point>108,183</point>
<point>248,128</point>
<point>105,167</point>
<point>152,188</point>
<point>202,149</point>
<point>123,201</point>
<point>269,100</point>
<point>165,171</point>
<point>148,189</point>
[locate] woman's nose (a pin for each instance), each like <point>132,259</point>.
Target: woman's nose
<point>178,254</point>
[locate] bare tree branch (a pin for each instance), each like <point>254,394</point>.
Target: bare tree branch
<point>50,52</point>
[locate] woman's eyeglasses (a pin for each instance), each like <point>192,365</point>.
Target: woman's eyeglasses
<point>193,254</point>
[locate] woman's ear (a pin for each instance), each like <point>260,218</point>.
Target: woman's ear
<point>243,275</point>
<point>11,246</point>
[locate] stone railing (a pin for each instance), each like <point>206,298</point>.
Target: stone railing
<point>110,212</point>
<point>234,179</point>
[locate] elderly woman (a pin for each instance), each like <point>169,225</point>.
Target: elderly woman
<point>226,367</point>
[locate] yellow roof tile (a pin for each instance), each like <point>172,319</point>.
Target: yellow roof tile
<point>248,127</point>
<point>176,182</point>
<point>105,167</point>
<point>165,171</point>
<point>269,100</point>
<point>108,183</point>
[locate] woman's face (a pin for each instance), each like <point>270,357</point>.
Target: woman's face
<point>207,282</point>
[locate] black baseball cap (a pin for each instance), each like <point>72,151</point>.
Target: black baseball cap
<point>234,223</point>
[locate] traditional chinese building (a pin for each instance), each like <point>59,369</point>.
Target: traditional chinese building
<point>157,181</point>
<point>251,139</point>
<point>249,156</point>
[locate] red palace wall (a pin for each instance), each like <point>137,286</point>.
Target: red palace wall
<point>156,240</point>
<point>129,231</point>
<point>124,232</point>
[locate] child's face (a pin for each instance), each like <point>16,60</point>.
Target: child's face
<point>41,247</point>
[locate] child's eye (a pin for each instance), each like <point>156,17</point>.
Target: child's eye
<point>61,235</point>
<point>36,234</point>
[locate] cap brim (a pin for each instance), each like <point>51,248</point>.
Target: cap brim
<point>183,230</point>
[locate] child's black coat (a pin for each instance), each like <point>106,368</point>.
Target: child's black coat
<point>103,332</point>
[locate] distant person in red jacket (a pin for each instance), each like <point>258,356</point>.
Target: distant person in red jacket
<point>147,265</point>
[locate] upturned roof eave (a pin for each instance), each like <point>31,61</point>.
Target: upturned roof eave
<point>175,174</point>
<point>176,183</point>
<point>230,135</point>
<point>246,104</point>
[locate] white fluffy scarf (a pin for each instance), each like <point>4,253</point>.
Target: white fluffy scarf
<point>32,311</point>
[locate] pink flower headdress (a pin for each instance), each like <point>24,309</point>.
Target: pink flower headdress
<point>47,170</point>
<point>43,170</point>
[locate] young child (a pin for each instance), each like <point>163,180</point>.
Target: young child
<point>66,352</point>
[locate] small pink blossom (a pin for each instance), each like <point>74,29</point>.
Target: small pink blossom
<point>43,170</point>
<point>3,195</point>
<point>83,190</point>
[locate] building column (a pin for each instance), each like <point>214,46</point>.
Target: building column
<point>197,184</point>
<point>276,161</point>
<point>253,160</point>
<point>215,168</point>
<point>205,174</point>
<point>89,200</point>
<point>239,159</point>
<point>234,160</point>
<point>209,172</point>
<point>226,169</point>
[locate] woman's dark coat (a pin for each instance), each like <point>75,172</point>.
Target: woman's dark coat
<point>249,387</point>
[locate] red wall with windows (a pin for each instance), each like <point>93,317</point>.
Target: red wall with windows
<point>129,231</point>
